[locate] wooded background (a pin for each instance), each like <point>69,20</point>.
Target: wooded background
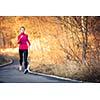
<point>55,39</point>
<point>77,37</point>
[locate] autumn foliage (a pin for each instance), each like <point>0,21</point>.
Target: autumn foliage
<point>55,40</point>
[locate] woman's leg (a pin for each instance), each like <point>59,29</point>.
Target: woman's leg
<point>21,56</point>
<point>25,58</point>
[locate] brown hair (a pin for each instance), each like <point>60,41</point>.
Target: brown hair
<point>22,27</point>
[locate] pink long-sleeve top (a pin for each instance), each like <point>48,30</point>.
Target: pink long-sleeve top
<point>23,41</point>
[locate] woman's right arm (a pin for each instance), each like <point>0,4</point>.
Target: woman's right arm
<point>19,39</point>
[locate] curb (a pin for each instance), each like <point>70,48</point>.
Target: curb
<point>42,74</point>
<point>57,77</point>
<point>6,64</point>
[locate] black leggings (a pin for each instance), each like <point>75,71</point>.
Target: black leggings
<point>25,53</point>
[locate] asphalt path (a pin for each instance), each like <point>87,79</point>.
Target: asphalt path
<point>10,74</point>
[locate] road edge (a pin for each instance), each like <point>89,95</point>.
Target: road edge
<point>54,76</point>
<point>6,64</point>
<point>42,74</point>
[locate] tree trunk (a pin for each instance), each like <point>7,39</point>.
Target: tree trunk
<point>84,37</point>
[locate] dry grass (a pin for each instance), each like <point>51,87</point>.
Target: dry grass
<point>87,73</point>
<point>70,69</point>
<point>3,59</point>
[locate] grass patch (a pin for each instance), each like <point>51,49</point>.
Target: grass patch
<point>73,70</point>
<point>3,59</point>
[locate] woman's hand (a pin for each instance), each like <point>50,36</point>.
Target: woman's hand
<point>21,36</point>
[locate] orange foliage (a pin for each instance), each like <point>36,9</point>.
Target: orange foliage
<point>49,38</point>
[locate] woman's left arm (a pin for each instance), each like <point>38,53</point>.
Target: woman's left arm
<point>28,40</point>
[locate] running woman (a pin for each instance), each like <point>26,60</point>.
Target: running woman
<point>23,42</point>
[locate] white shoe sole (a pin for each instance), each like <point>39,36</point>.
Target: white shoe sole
<point>20,68</point>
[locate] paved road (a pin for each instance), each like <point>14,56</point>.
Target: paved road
<point>10,74</point>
